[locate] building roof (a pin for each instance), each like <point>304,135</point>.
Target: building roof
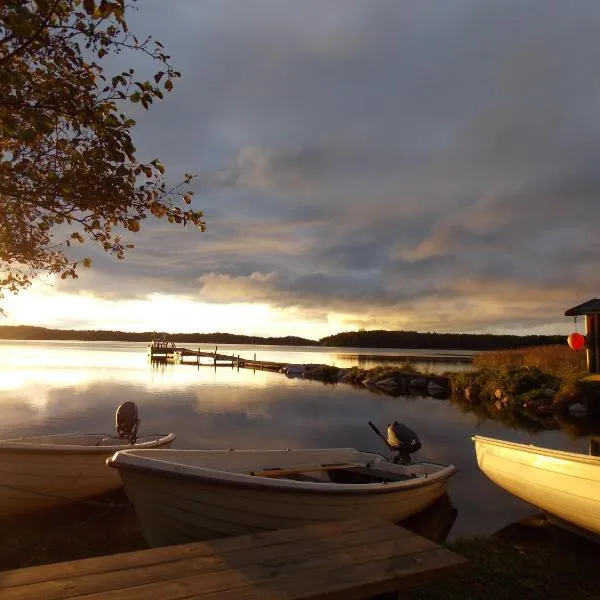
<point>591,307</point>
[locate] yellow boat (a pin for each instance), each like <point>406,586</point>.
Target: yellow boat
<point>564,485</point>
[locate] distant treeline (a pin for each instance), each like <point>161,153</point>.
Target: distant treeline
<point>27,332</point>
<point>438,341</point>
<point>356,339</point>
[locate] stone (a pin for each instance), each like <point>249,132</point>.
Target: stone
<point>577,409</point>
<point>418,382</point>
<point>294,370</point>
<point>433,387</point>
<point>472,393</point>
<point>388,383</point>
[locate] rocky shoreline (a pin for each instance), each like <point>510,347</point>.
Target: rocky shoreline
<point>524,397</point>
<point>394,381</point>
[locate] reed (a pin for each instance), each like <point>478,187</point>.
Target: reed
<point>557,360</point>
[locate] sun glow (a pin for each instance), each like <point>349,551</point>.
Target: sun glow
<point>44,306</point>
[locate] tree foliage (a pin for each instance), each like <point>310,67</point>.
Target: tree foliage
<point>68,167</point>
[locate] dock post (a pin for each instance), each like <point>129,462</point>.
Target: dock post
<point>238,362</point>
<point>198,357</point>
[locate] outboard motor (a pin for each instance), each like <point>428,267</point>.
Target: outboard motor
<point>400,439</point>
<point>127,421</point>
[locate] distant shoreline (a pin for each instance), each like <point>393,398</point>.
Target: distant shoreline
<point>410,340</point>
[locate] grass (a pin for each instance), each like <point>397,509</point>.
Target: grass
<point>557,360</point>
<point>528,560</point>
<point>527,388</point>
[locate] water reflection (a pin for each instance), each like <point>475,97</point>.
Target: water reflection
<point>435,522</point>
<point>83,384</point>
<point>435,363</point>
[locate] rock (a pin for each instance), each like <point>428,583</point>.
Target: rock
<point>433,387</point>
<point>294,370</point>
<point>498,404</point>
<point>388,383</point>
<point>498,394</point>
<point>472,393</point>
<point>345,375</point>
<point>577,409</point>
<point>370,382</point>
<point>418,382</point>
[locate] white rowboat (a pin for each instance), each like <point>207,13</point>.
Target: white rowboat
<point>185,495</point>
<point>46,471</point>
<point>565,485</point>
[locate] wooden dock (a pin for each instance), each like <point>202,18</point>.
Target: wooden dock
<point>346,559</point>
<point>169,352</point>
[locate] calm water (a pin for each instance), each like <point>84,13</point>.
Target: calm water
<point>53,387</point>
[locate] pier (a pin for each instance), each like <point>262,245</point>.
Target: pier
<point>165,351</point>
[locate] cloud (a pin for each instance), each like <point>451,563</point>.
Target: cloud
<point>376,164</point>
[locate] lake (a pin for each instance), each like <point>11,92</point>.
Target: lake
<point>53,387</point>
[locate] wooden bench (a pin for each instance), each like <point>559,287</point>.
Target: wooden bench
<point>344,559</point>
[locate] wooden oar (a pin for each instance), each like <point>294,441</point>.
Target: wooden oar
<point>278,472</point>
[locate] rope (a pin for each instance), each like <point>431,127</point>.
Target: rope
<point>57,497</point>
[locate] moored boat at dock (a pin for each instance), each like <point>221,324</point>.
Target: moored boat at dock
<point>40,472</point>
<point>185,495</point>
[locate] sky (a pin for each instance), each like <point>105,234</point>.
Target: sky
<point>429,166</point>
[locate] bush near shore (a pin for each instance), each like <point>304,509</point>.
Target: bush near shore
<point>533,388</point>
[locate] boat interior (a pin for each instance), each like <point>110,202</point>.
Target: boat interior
<point>344,466</point>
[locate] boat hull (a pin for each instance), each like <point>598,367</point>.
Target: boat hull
<point>565,485</point>
<point>35,476</point>
<point>174,510</point>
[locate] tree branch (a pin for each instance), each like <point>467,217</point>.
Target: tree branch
<point>32,39</point>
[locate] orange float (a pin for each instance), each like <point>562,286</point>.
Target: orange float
<point>576,341</point>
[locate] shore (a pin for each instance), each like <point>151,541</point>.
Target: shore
<point>530,559</point>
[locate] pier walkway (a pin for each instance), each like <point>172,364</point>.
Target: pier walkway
<point>170,352</point>
<point>346,559</point>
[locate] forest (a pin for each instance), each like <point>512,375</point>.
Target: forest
<point>350,339</point>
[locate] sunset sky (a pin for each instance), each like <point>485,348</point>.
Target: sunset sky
<point>432,166</point>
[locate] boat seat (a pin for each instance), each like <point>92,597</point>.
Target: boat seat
<point>367,475</point>
<point>303,477</point>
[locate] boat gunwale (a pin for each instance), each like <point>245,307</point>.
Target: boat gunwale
<point>26,447</point>
<point>122,460</point>
<point>532,449</point>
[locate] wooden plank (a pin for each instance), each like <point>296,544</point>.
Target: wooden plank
<point>358,582</point>
<point>154,556</point>
<point>280,472</point>
<point>228,570</point>
<point>346,559</point>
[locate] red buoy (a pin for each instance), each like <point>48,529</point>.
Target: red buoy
<point>576,341</point>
